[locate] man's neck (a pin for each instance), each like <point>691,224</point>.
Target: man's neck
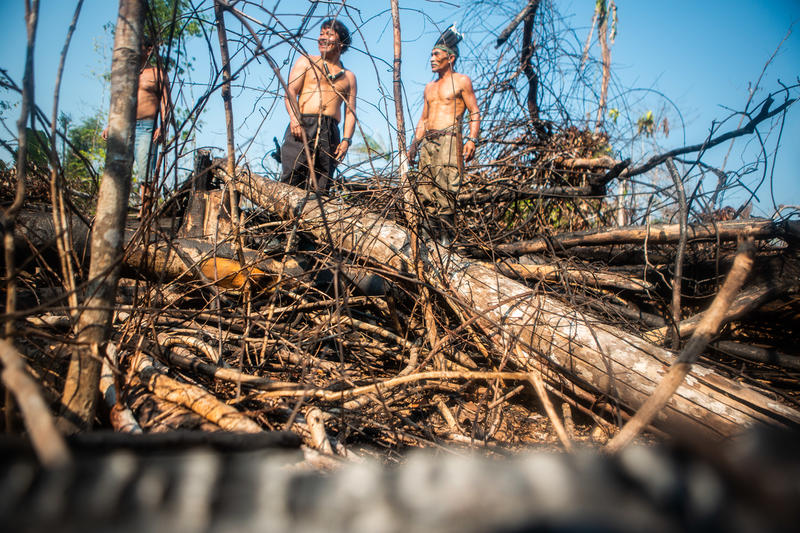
<point>331,57</point>
<point>445,72</point>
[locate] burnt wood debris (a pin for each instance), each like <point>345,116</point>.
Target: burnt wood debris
<point>583,296</point>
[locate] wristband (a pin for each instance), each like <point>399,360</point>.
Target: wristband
<point>474,140</point>
<point>348,139</point>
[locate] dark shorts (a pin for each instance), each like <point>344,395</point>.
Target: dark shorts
<point>322,132</point>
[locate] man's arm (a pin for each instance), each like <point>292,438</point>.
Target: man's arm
<point>349,116</point>
<point>293,87</point>
<point>468,95</point>
<point>419,132</point>
<point>165,107</point>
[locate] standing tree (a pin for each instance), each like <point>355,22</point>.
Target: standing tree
<point>81,387</point>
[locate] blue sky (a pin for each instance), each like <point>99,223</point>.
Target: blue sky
<point>703,56</point>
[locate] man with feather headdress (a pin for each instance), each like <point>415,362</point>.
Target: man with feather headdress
<point>438,137</point>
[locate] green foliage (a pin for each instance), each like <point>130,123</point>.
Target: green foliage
<point>158,30</point>
<point>613,113</point>
<point>372,147</point>
<point>157,27</point>
<point>38,149</point>
<point>518,212</point>
<point>646,124</point>
<point>602,8</point>
<point>88,147</point>
<point>557,215</point>
<point>601,150</point>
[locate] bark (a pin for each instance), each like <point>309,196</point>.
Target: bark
<point>409,195</point>
<point>8,215</point>
<point>550,334</point>
<point>538,385</point>
<point>81,388</point>
<point>527,63</point>
<point>657,234</point>
<point>316,429</point>
<point>121,417</point>
<point>522,15</point>
<point>481,197</point>
<point>175,354</point>
<point>397,89</point>
<point>192,259</point>
<point>193,397</point>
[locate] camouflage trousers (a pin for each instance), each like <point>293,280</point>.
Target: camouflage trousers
<point>440,171</point>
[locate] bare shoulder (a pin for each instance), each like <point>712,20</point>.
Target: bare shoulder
<point>304,62</point>
<point>463,81</point>
<point>152,74</point>
<point>148,72</point>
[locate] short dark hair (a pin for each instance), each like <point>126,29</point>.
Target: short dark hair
<point>341,30</point>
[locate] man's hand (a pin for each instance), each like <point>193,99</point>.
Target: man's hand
<point>469,150</point>
<point>297,129</point>
<point>104,135</point>
<point>412,153</point>
<point>156,135</point>
<point>341,150</point>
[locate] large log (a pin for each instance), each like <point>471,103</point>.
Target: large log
<point>534,330</point>
<point>158,260</point>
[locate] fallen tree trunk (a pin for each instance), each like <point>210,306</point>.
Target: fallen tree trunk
<point>584,351</point>
<point>161,259</point>
<point>657,234</point>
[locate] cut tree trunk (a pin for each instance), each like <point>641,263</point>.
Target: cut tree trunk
<point>188,259</point>
<point>549,334</point>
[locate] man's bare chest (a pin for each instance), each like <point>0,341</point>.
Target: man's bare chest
<point>445,93</point>
<point>323,77</point>
<point>148,82</point>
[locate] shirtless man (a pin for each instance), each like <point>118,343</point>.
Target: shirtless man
<point>438,136</point>
<point>317,88</point>
<point>152,102</point>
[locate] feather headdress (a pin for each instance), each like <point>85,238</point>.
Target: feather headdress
<point>448,40</point>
